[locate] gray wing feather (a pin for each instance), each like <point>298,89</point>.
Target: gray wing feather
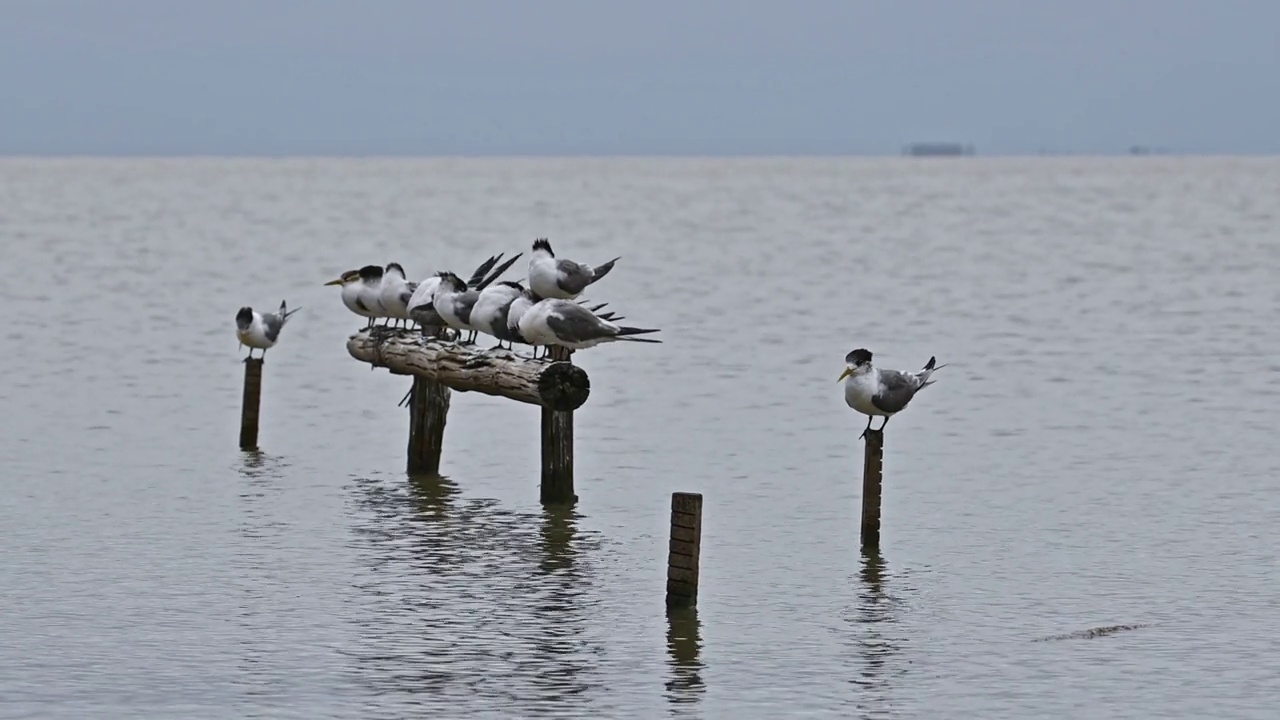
<point>896,391</point>
<point>271,325</point>
<point>572,277</point>
<point>577,324</point>
<point>463,305</point>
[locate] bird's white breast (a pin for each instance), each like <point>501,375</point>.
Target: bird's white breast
<point>543,276</point>
<point>350,292</point>
<point>858,391</point>
<point>533,325</point>
<point>255,336</point>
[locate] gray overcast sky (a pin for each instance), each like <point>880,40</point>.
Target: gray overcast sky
<point>653,76</point>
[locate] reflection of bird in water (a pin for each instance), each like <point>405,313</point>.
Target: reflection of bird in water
<point>872,391</point>
<point>684,645</point>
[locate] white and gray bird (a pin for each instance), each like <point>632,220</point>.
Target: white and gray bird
<point>261,331</point>
<point>492,307</point>
<point>563,323</point>
<point>350,283</point>
<point>421,307</point>
<point>552,277</point>
<point>361,292</point>
<point>395,292</point>
<point>875,392</point>
<point>453,300</point>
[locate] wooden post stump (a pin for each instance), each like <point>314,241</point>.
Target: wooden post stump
<point>249,403</point>
<point>428,411</point>
<point>872,463</point>
<point>684,549</point>
<point>557,448</point>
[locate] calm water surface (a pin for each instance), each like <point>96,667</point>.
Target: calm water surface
<point>1100,450</point>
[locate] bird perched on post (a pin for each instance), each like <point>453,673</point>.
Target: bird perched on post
<point>872,391</point>
<point>562,279</point>
<point>260,331</point>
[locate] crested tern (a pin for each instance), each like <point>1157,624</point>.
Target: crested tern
<point>350,282</point>
<point>453,300</point>
<point>420,306</point>
<point>492,307</point>
<point>553,321</point>
<point>259,330</point>
<point>551,277</point>
<point>872,391</point>
<point>395,292</point>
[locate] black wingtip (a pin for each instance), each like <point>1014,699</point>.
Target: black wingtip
<point>498,271</point>
<point>603,270</point>
<point>929,365</point>
<point>477,276</point>
<point>628,331</point>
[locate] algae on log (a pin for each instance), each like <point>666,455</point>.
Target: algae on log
<point>555,385</point>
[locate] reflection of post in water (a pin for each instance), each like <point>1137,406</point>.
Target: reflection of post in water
<point>874,612</point>
<point>559,525</point>
<point>561,650</point>
<point>433,495</point>
<point>684,643</point>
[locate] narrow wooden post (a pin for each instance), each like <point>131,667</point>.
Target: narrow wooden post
<point>249,403</point>
<point>871,466</point>
<point>684,549</point>
<point>428,410</point>
<point>557,449</point>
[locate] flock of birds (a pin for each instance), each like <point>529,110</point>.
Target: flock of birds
<point>545,314</point>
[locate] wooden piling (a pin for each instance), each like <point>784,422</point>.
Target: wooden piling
<point>872,464</point>
<point>428,411</point>
<point>249,403</point>
<point>557,448</point>
<point>684,549</point>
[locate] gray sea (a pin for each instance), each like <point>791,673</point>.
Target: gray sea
<point>1099,451</point>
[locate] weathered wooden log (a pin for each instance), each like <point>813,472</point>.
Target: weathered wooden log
<point>428,411</point>
<point>873,461</point>
<point>551,384</point>
<point>684,550</point>
<point>249,403</point>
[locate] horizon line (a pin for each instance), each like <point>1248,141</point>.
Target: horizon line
<point>616,156</point>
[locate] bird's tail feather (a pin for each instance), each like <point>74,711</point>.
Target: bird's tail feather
<point>625,333</point>
<point>638,339</point>
<point>498,271</point>
<point>929,368</point>
<point>477,276</point>
<point>601,271</point>
<point>286,314</point>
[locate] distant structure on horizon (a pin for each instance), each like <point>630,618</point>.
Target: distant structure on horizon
<point>937,149</point>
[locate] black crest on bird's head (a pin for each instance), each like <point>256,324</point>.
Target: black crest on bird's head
<point>370,272</point>
<point>861,356</point>
<point>244,318</point>
<point>452,281</point>
<point>396,267</point>
<point>543,244</point>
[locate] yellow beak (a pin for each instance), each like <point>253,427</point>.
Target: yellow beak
<point>334,282</point>
<point>847,372</point>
